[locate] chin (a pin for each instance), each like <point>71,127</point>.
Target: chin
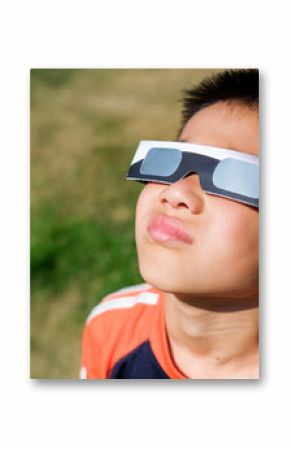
<point>203,288</point>
<point>162,281</point>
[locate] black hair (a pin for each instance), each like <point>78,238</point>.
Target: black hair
<point>232,85</point>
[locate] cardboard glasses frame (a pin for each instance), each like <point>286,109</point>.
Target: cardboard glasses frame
<point>223,172</point>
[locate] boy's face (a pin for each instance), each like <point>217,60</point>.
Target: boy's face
<point>221,256</point>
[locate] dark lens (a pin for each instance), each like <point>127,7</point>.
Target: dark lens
<point>161,162</point>
<point>237,176</point>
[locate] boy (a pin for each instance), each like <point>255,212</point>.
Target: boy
<point>197,243</point>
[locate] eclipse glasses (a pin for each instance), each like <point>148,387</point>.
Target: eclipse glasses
<point>222,172</point>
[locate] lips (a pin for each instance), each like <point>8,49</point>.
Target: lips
<point>163,229</point>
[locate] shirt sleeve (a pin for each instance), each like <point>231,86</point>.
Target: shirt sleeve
<point>91,359</point>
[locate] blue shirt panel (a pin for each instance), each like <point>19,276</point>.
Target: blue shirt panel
<point>140,363</point>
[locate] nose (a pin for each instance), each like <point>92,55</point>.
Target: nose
<point>186,193</point>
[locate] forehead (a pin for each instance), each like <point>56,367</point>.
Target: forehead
<point>227,125</point>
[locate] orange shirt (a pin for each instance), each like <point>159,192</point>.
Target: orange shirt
<point>125,337</point>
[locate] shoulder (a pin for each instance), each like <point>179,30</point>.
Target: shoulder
<point>116,326</point>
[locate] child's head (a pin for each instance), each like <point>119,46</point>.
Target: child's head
<point>216,252</point>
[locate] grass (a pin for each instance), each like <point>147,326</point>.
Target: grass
<point>85,126</point>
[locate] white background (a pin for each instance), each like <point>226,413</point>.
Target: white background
<point>216,414</point>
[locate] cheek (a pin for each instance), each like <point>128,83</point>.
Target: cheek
<point>148,200</point>
<point>233,244</point>
<point>142,208</point>
<point>141,205</point>
<point>237,228</point>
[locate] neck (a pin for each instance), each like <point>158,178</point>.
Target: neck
<point>217,337</point>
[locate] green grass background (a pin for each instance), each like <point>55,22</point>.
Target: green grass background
<point>85,127</point>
